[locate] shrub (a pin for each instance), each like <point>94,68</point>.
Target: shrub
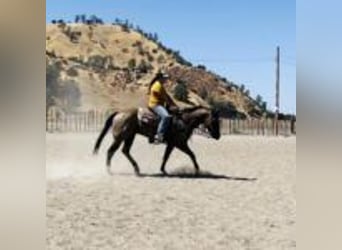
<point>144,67</point>
<point>52,84</point>
<point>70,95</point>
<point>264,106</point>
<point>181,91</point>
<point>125,28</point>
<point>259,100</point>
<point>161,59</point>
<point>203,93</point>
<point>96,62</point>
<point>225,108</point>
<point>132,63</point>
<point>110,62</point>
<point>141,53</point>
<point>168,51</point>
<point>200,66</point>
<point>61,25</point>
<point>150,58</point>
<point>72,72</point>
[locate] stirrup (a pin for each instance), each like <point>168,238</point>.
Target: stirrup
<point>158,139</point>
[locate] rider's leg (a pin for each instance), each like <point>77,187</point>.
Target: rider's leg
<point>164,119</point>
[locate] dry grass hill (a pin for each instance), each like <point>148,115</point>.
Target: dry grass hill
<point>108,66</point>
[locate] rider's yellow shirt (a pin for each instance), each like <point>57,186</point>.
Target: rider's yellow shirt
<point>157,95</point>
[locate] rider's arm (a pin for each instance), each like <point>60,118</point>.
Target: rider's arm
<point>169,100</point>
<point>156,91</point>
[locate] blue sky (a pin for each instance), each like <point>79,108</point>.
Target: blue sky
<point>236,39</point>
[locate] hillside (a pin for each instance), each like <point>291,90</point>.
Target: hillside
<point>107,66</point>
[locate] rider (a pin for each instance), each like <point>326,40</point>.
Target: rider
<point>158,101</point>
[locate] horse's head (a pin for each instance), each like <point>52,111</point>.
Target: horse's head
<point>210,119</point>
<point>212,123</point>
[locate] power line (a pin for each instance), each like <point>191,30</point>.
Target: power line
<point>233,60</point>
<point>289,57</point>
<point>289,64</point>
<point>287,61</point>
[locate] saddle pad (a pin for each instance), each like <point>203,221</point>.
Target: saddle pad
<point>145,115</point>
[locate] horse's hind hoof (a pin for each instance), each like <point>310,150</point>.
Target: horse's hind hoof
<point>109,171</point>
<point>163,172</point>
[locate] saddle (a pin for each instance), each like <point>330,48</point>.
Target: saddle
<point>147,116</point>
<point>148,119</point>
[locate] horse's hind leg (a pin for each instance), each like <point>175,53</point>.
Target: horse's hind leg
<point>115,145</point>
<point>125,150</point>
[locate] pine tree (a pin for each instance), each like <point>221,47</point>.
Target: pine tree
<point>181,91</point>
<point>83,18</point>
<point>52,84</point>
<point>77,18</point>
<point>259,100</point>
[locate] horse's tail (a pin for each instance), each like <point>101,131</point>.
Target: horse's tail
<point>104,131</point>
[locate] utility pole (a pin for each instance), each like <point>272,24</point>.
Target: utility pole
<point>277,91</point>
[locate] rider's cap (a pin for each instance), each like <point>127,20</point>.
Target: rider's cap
<point>163,74</point>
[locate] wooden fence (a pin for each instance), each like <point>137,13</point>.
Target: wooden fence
<point>93,121</point>
<point>257,127</point>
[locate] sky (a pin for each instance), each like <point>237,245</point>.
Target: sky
<point>235,39</point>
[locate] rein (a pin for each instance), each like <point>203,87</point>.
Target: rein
<point>196,129</point>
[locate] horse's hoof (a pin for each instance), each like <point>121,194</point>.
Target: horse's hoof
<point>137,173</point>
<point>163,172</point>
<point>109,171</point>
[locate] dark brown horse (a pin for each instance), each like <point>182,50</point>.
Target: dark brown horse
<point>125,125</point>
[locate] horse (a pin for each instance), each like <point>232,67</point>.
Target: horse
<point>126,124</point>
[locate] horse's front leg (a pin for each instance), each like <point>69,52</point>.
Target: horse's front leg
<point>185,148</point>
<point>168,150</point>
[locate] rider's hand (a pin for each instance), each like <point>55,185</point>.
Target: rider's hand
<point>174,109</point>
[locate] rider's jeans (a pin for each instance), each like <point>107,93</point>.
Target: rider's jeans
<point>164,116</point>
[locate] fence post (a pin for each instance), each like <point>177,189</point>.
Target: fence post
<point>252,127</point>
<point>67,118</point>
<point>95,119</point>
<point>65,122</point>
<point>86,121</point>
<point>78,121</point>
<point>57,121</point>
<point>258,127</point>
<point>82,121</point>
<point>229,126</point>
<point>74,122</point>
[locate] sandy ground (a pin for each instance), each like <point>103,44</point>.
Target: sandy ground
<point>245,198</point>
